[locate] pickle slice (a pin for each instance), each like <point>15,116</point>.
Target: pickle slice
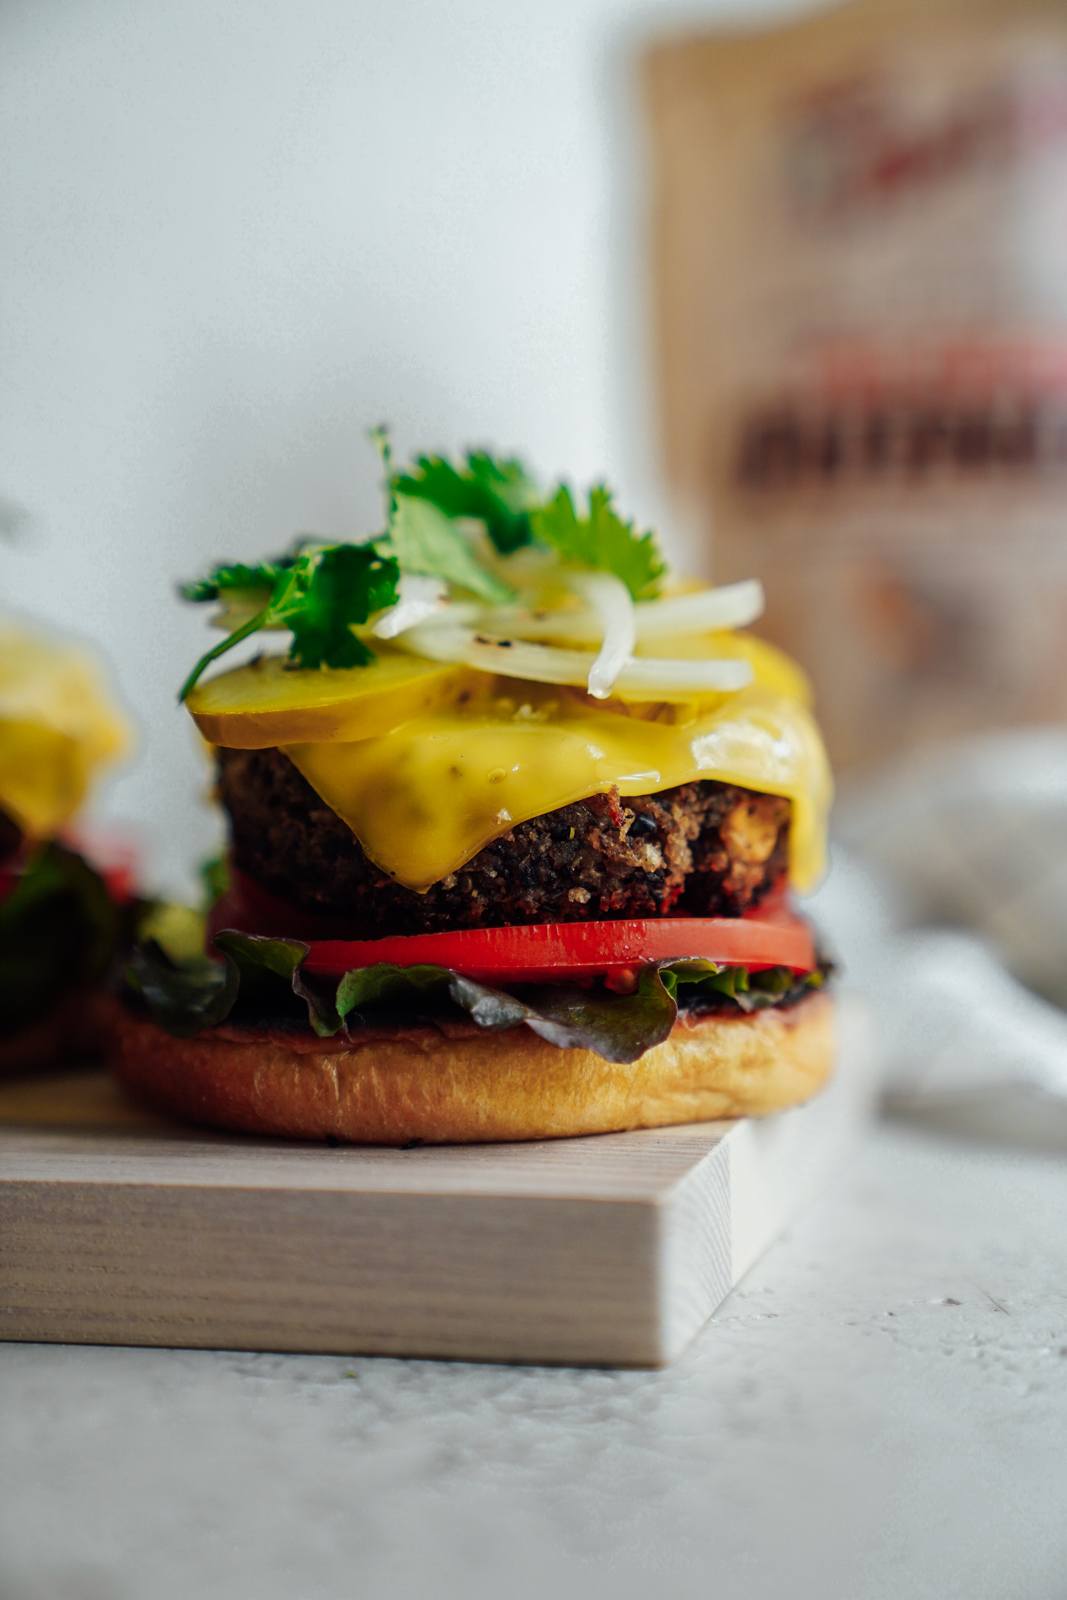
<point>269,702</point>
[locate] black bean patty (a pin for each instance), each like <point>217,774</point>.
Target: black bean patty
<point>705,848</point>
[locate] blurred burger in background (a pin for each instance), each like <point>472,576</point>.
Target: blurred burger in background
<point>63,916</point>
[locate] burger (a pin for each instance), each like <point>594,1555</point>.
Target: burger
<point>63,921</point>
<point>513,824</point>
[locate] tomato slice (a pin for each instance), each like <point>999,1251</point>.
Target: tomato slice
<point>772,936</point>
<point>544,952</point>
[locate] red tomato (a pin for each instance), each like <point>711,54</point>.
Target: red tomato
<point>547,951</point>
<point>539,953</point>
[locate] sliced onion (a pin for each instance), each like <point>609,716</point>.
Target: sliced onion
<point>735,605</point>
<point>610,600</point>
<point>419,598</point>
<point>642,678</point>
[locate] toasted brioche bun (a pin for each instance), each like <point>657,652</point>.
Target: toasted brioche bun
<point>456,1084</point>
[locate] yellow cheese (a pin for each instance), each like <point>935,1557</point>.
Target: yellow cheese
<point>425,797</point>
<point>428,763</point>
<point>58,727</point>
<point>771,667</point>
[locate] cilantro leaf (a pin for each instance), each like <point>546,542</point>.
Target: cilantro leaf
<point>347,583</point>
<point>319,594</point>
<point>426,540</point>
<point>379,438</point>
<point>600,539</point>
<point>234,576</point>
<point>499,492</point>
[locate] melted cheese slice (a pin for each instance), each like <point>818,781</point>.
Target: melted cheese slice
<point>425,797</point>
<point>58,728</point>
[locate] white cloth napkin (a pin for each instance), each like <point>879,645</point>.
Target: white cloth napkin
<point>948,903</point>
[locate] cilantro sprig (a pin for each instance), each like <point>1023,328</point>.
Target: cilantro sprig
<point>499,493</point>
<point>504,497</point>
<point>428,542</point>
<point>322,592</point>
<point>428,507</point>
<point>319,593</point>
<point>600,539</point>
<point>237,578</point>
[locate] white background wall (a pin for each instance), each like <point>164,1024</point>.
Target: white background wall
<point>234,235</point>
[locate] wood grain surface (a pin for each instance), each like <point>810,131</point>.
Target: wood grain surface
<point>117,1228</point>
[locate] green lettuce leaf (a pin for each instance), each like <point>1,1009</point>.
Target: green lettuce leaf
<point>255,978</point>
<point>260,962</point>
<point>697,982</point>
<point>364,988</point>
<point>616,1026</point>
<point>262,980</point>
<point>182,996</point>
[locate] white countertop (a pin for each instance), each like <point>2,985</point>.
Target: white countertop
<point>879,1411</point>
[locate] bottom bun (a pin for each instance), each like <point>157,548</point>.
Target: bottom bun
<point>458,1085</point>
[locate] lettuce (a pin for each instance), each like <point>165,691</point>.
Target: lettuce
<point>261,980</point>
<point>60,932</point>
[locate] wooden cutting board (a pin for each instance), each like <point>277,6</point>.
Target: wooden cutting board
<point>117,1228</point>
